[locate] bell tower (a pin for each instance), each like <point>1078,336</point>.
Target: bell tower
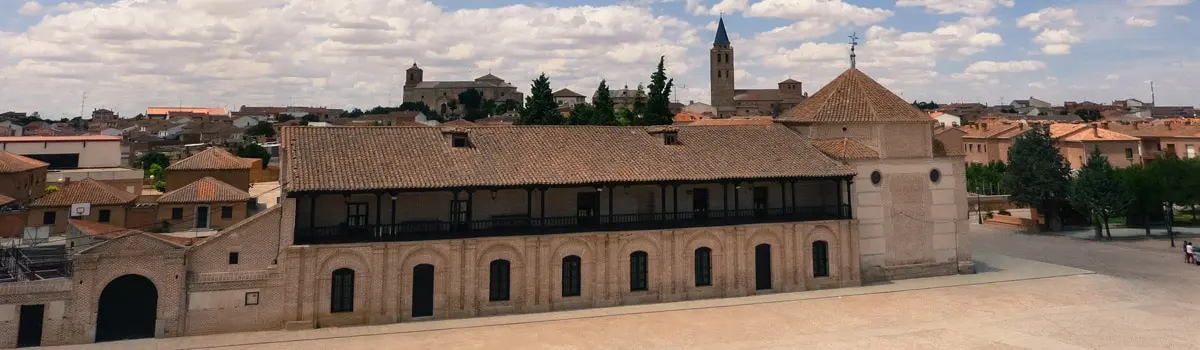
<point>414,76</point>
<point>720,73</point>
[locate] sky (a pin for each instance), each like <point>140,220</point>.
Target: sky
<point>127,55</point>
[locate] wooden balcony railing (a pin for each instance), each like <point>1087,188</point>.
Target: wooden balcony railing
<point>519,226</point>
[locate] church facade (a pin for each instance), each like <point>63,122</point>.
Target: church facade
<point>442,96</point>
<point>731,101</point>
<point>407,224</point>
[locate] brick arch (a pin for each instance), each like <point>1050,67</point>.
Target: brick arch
<point>590,280</point>
<point>516,261</point>
<point>572,246</point>
<point>772,238</point>
<point>655,281</point>
<point>822,233</point>
<point>719,256</point>
<point>353,260</point>
<point>441,281</point>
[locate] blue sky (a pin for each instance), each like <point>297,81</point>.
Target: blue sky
<point>130,54</point>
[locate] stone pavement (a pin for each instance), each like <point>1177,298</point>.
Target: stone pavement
<point>922,313</point>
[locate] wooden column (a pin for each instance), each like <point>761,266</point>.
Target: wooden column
<point>470,207</point>
<point>454,211</point>
<point>674,201</point>
<point>840,199</point>
<point>849,198</point>
<point>393,210</point>
<point>529,205</point>
<point>542,216</point>
<point>662,189</point>
<point>794,196</point>
<point>736,199</point>
<point>312,210</point>
<point>783,197</point>
<point>611,189</point>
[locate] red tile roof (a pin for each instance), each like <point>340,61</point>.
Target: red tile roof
<point>91,138</point>
<point>205,190</point>
<point>855,97</point>
<point>97,229</point>
<point>86,191</point>
<point>15,163</point>
<point>214,158</point>
<point>846,149</point>
<point>458,122</point>
<point>417,158</point>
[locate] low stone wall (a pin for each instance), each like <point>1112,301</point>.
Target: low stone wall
<point>1012,221</point>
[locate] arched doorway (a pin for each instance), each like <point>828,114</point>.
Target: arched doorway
<point>128,309</point>
<point>422,293</point>
<point>762,266</point>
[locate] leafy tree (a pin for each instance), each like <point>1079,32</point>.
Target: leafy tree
<point>310,118</point>
<point>1098,192</point>
<point>284,117</point>
<point>639,105</point>
<point>986,178</point>
<point>1037,175</point>
<point>1146,188</point>
<point>507,106</point>
<point>472,103</point>
<point>155,172</point>
<point>51,189</point>
<point>264,129</point>
<point>603,106</point>
<point>1088,115</point>
<point>153,158</point>
<point>658,104</point>
<point>583,114</point>
<point>625,117</point>
<point>254,150</point>
<point>540,108</point>
<point>1179,184</point>
<point>160,186</point>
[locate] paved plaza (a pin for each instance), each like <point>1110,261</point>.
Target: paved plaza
<point>1032,292</point>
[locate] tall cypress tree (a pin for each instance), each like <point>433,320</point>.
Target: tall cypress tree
<point>1037,174</point>
<point>603,112</point>
<point>540,108</point>
<point>658,107</point>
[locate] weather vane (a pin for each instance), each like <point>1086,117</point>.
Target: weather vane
<point>853,44</point>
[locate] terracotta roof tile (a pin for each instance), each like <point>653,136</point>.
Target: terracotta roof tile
<point>940,150</point>
<point>205,190</point>
<point>458,122</point>
<point>97,229</point>
<point>321,159</point>
<point>1092,133</point>
<point>855,97</point>
<point>85,191</point>
<point>214,158</point>
<point>15,163</point>
<point>567,93</point>
<point>845,148</point>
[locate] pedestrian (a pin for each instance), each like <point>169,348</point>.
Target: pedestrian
<point>1190,252</point>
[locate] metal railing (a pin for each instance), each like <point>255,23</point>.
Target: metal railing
<point>516,226</point>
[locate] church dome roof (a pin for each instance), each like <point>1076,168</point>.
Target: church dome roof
<point>855,97</point>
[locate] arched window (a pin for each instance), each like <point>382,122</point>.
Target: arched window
<point>570,276</point>
<point>639,271</point>
<point>820,259</point>
<point>499,286</point>
<point>703,266</point>
<point>341,294</point>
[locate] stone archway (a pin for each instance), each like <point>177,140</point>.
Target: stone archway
<point>127,309</point>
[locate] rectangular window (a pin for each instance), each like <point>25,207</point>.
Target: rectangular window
<point>760,200</point>
<point>1128,153</point>
<point>1171,148</point>
<point>586,204</point>
<point>233,258</point>
<point>251,298</point>
<point>639,271</point>
<point>105,215</point>
<point>571,284</point>
<point>1191,151</point>
<point>356,214</point>
<point>177,213</point>
<point>48,218</point>
<point>226,212</point>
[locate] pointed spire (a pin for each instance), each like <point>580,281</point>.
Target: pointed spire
<point>722,37</point>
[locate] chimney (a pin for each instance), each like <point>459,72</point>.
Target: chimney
<point>1104,124</point>
<point>1169,125</point>
<point>984,126</point>
<point>1095,130</point>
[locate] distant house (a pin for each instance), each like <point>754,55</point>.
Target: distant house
<point>567,98</point>
<point>947,119</point>
<point>699,108</point>
<point>248,121</point>
<point>8,128</point>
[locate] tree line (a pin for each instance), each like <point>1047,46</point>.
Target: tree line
<point>649,106</point>
<point>1039,177</point>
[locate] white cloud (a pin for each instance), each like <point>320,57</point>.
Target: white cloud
<point>984,67</point>
<point>1158,2</point>
<point>1141,22</point>
<point>326,52</point>
<point>1183,18</point>
<point>831,11</point>
<point>967,7</point>
<point>1056,25</point>
<point>30,8</point>
<point>1112,77</point>
<point>697,7</point>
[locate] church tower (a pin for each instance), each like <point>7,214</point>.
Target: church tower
<point>720,74</point>
<point>414,76</point>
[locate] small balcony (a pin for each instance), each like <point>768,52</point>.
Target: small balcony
<point>525,225</point>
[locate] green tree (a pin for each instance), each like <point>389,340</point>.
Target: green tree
<point>310,118</point>
<point>639,106</point>
<point>986,178</point>
<point>540,108</point>
<point>51,189</point>
<point>1146,189</point>
<point>658,104</point>
<point>583,114</point>
<point>284,117</point>
<point>1037,175</point>
<point>1179,185</point>
<point>254,150</point>
<point>264,129</point>
<point>150,158</point>
<point>625,117</point>
<point>156,172</point>
<point>1098,192</point>
<point>1088,115</point>
<point>472,103</point>
<point>603,106</point>
<point>507,106</point>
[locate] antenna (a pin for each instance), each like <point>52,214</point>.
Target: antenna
<point>1152,92</point>
<point>82,101</point>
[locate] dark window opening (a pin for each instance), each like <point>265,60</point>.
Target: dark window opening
<point>1128,153</point>
<point>176,213</point>
<point>670,138</point>
<point>571,282</point>
<point>233,258</point>
<point>703,267</point>
<point>48,218</point>
<point>105,215</point>
<point>639,271</point>
<point>761,197</point>
<point>820,259</point>
<point>226,212</point>
<point>356,214</point>
<point>459,141</point>
<point>498,286</point>
<point>341,295</point>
